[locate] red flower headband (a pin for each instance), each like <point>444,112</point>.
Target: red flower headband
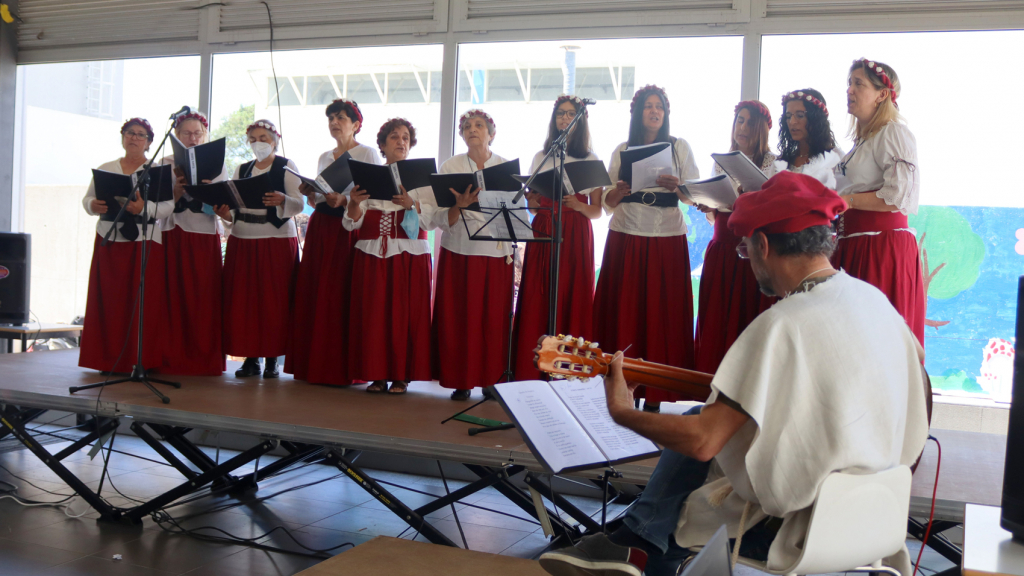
<point>193,116</point>
<point>755,106</point>
<point>576,101</point>
<point>806,98</point>
<point>647,91</point>
<point>141,122</point>
<point>266,125</point>
<point>878,71</point>
<point>351,105</point>
<point>476,112</point>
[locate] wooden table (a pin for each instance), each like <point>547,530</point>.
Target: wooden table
<point>385,556</point>
<point>988,549</point>
<point>37,331</point>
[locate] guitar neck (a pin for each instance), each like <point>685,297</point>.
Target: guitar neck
<point>692,385</point>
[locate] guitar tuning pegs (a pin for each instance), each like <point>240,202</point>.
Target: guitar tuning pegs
<point>566,338</point>
<point>580,341</point>
<point>593,344</point>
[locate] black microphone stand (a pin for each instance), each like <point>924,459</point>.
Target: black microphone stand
<point>138,370</point>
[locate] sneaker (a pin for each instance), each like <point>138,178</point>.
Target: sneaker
<point>595,556</point>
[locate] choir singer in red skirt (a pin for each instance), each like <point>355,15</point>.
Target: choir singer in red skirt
<point>881,183</point>
<point>389,322</point>
<point>473,298</point>
<point>261,260</point>
<point>730,297</point>
<point>110,334</point>
<point>576,258</point>
<point>644,299</point>
<point>318,350</point>
<point>193,339</point>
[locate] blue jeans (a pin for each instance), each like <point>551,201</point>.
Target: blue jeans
<point>655,514</point>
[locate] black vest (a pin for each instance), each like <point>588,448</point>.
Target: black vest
<point>276,179</point>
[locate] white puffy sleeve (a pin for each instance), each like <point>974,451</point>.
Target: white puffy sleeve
<point>896,153</point>
<point>293,199</point>
<point>684,156</point>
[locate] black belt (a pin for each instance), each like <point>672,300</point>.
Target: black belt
<point>251,218</point>
<point>129,225</point>
<point>324,208</point>
<point>657,199</point>
<point>191,205</point>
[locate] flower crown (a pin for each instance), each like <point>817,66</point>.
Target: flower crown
<point>351,104</point>
<point>647,91</point>
<point>266,125</point>
<point>576,101</point>
<point>755,106</point>
<point>806,98</point>
<point>873,67</point>
<point>476,112</point>
<point>193,116</point>
<point>141,122</point>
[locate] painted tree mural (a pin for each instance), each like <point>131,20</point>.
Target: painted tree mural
<point>951,253</point>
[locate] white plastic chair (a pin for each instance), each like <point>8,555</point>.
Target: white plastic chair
<point>857,520</point>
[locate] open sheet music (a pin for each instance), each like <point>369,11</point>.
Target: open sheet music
<point>382,182</point>
<point>493,223</point>
<point>114,188</point>
<point>715,192</point>
<point>202,162</point>
<point>335,178</point>
<point>492,178</point>
<point>641,165</point>
<point>579,177</point>
<point>741,169</point>
<point>567,425</point>
<point>235,194</point>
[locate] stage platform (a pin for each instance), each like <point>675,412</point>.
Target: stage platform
<point>335,421</point>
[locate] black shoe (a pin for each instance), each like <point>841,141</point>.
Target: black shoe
<point>271,370</point>
<point>461,395</point>
<point>653,408</point>
<point>489,394</point>
<point>595,556</point>
<point>251,367</point>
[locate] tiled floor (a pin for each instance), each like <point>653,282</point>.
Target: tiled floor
<point>45,541</point>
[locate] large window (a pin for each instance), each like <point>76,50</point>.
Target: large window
<point>517,83</point>
<point>969,225</point>
<point>385,81</point>
<point>71,115</point>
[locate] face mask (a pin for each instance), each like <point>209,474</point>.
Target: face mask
<point>262,150</point>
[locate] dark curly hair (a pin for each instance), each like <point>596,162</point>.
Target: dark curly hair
<point>347,107</point>
<point>388,127</point>
<point>819,132</point>
<point>578,144</point>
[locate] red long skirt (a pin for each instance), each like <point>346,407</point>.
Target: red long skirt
<point>318,351</point>
<point>389,326</point>
<point>259,282</point>
<point>575,288</point>
<point>729,300</point>
<point>469,332</point>
<point>889,261</point>
<point>644,301</point>
<point>110,335</point>
<point>193,337</point>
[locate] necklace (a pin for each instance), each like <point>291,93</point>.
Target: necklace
<point>805,285</point>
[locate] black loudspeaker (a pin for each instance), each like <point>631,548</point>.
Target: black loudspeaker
<point>15,274</point>
<point>1013,474</point>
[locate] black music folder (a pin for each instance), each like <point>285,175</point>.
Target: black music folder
<point>202,162</point>
<point>499,178</point>
<point>337,177</point>
<point>235,194</point>
<point>579,176</point>
<point>634,154</point>
<point>382,182</point>
<point>114,188</point>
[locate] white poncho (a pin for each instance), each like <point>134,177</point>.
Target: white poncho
<point>832,381</point>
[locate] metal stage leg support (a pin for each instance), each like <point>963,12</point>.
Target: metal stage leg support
<point>491,479</point>
<point>175,436</point>
<point>12,421</point>
<point>135,515</point>
<point>408,515</point>
<point>936,541</point>
<point>141,432</point>
<point>525,502</point>
<point>562,504</point>
<point>296,453</point>
<point>25,415</point>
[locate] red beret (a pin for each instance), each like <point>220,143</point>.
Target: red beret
<point>786,203</point>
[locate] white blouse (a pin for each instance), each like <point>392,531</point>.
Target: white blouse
<point>156,210</point>
<point>395,246</point>
<point>821,167</point>
<point>292,206</point>
<point>887,163</point>
<point>455,238</point>
<point>536,166</point>
<point>640,220</point>
<point>362,153</point>
<point>189,221</point>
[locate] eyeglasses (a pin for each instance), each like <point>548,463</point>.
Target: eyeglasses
<point>741,251</point>
<point>196,134</point>
<point>570,114</point>
<point>137,135</point>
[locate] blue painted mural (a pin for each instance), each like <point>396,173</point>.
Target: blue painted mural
<point>972,258</point>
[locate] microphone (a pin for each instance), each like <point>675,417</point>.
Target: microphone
<point>184,110</point>
<point>588,101</point>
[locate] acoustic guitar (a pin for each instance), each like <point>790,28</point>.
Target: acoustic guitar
<point>569,357</point>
